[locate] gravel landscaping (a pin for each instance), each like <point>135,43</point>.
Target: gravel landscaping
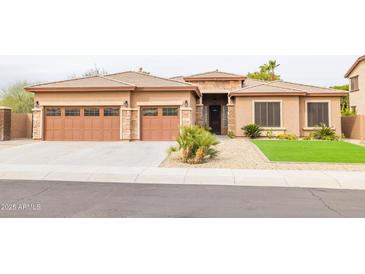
<point>241,153</point>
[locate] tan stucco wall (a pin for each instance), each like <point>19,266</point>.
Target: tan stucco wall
<point>217,85</point>
<point>82,98</point>
<point>335,113</point>
<point>161,96</point>
<point>357,98</point>
<point>290,113</point>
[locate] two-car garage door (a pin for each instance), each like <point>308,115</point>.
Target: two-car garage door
<point>82,123</point>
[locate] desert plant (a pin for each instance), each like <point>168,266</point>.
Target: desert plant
<point>252,130</point>
<point>195,144</point>
<point>325,133</point>
<point>289,137</point>
<point>231,134</point>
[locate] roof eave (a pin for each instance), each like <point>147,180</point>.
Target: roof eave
<point>246,94</point>
<point>172,88</point>
<point>354,65</point>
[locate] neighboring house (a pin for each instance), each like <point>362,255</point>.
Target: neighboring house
<point>138,106</point>
<point>356,76</point>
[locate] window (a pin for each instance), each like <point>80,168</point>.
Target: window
<point>353,109</point>
<point>150,112</point>
<point>354,83</point>
<point>267,114</point>
<point>169,111</point>
<point>91,112</point>
<point>72,112</point>
<point>317,114</point>
<point>53,111</point>
<point>111,111</point>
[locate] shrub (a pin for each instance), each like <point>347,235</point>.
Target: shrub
<point>325,133</point>
<point>287,137</point>
<point>231,134</point>
<point>252,130</point>
<point>195,144</point>
<point>269,133</point>
<point>308,138</point>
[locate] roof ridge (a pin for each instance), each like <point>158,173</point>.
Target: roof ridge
<point>306,85</point>
<point>115,80</point>
<point>228,73</point>
<point>150,75</point>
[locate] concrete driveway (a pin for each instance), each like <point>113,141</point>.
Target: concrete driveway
<point>119,154</point>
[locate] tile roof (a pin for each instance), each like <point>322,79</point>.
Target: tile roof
<point>178,78</point>
<point>214,74</point>
<point>92,82</point>
<point>141,79</point>
<point>358,60</point>
<point>257,86</point>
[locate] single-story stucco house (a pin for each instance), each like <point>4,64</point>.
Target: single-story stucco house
<point>138,106</point>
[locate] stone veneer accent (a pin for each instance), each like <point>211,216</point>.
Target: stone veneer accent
<point>37,123</point>
<point>129,128</point>
<point>231,118</point>
<point>200,115</point>
<point>186,116</point>
<point>5,123</point>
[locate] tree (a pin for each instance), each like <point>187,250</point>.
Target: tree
<point>95,71</point>
<point>17,98</point>
<point>345,101</point>
<point>266,72</point>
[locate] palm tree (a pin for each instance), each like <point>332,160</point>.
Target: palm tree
<point>272,65</point>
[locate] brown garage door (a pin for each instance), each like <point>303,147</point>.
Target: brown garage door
<point>160,123</point>
<point>82,123</point>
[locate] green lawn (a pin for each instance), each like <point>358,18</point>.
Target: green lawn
<point>311,151</point>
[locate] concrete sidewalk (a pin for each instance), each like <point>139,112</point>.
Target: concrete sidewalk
<point>200,176</point>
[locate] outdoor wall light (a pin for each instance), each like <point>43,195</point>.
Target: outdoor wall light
<point>186,104</point>
<point>37,104</point>
<point>125,104</point>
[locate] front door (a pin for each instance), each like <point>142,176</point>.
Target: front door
<point>215,119</point>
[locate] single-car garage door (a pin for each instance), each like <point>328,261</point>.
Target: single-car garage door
<point>82,123</point>
<point>160,123</point>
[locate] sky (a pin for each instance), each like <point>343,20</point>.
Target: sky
<point>321,70</point>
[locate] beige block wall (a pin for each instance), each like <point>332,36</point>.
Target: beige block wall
<point>335,113</point>
<point>217,85</point>
<point>354,127</point>
<point>290,113</point>
<point>21,125</point>
<point>357,98</point>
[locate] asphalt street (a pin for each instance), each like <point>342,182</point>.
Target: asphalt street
<point>27,198</point>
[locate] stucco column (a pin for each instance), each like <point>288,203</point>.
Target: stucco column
<point>5,123</point>
<point>231,118</point>
<point>186,116</point>
<point>129,124</point>
<point>37,123</point>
